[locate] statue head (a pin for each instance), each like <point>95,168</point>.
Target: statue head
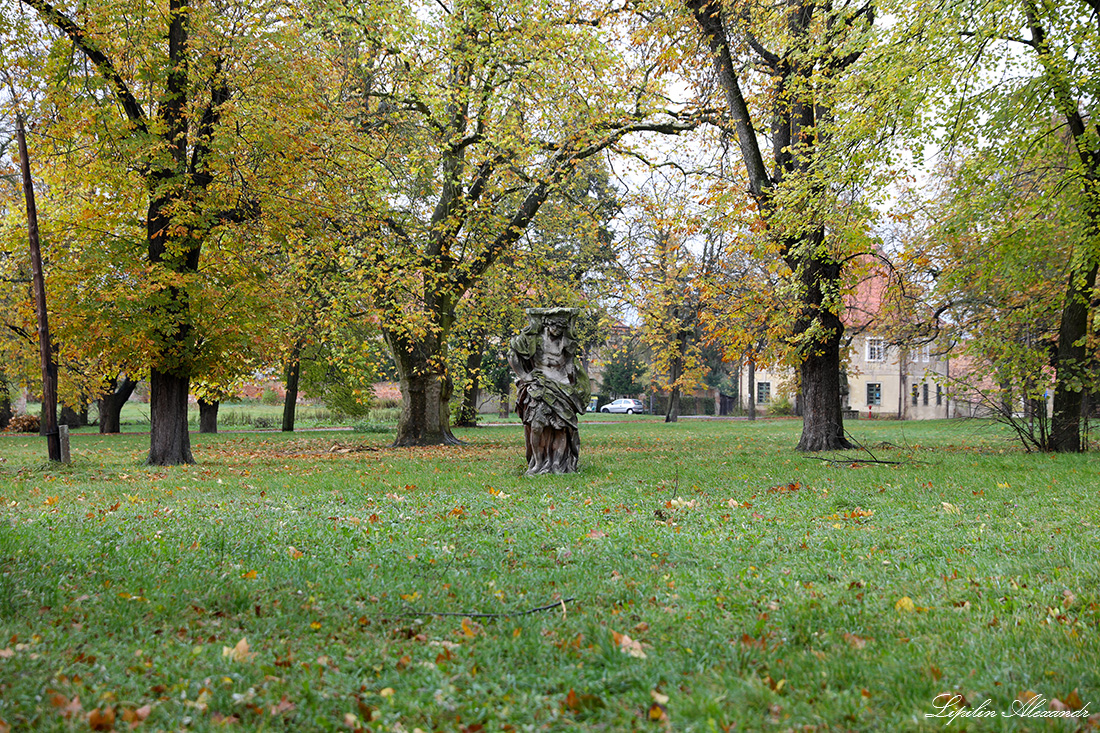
<point>557,321</point>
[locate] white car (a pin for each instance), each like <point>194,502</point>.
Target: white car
<point>624,405</point>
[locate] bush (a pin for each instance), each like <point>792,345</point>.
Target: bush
<point>264,423</point>
<point>23,424</point>
<point>781,405</point>
<point>271,397</point>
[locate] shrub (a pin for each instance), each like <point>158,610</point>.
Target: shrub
<point>781,405</point>
<point>263,423</point>
<point>270,397</point>
<point>23,424</point>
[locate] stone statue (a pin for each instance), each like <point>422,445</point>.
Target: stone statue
<point>553,389</point>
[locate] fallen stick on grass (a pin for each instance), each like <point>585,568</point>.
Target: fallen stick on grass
<point>560,603</point>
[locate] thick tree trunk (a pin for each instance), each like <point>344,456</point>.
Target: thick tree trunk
<point>169,441</point>
<point>290,402</point>
<point>425,393</point>
<point>672,414</point>
<point>1072,364</point>
<point>822,418</point>
<point>467,416</point>
<point>208,416</point>
<point>110,405</point>
<point>71,417</point>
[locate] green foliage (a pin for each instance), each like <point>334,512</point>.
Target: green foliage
<point>623,371</point>
<point>341,374</point>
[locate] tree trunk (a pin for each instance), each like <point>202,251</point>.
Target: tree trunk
<point>290,402</point>
<point>822,418</point>
<point>208,416</point>
<point>672,414</point>
<point>752,390</point>
<point>169,441</point>
<point>467,416</point>
<point>110,404</point>
<point>675,372</point>
<point>5,402</point>
<point>71,418</point>
<point>425,392</point>
<point>1071,363</point>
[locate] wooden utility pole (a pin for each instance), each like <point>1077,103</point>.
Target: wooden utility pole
<point>49,368</point>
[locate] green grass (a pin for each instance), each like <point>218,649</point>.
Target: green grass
<point>766,589</point>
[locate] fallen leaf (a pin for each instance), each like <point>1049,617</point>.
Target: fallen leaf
<point>293,552</point>
<point>470,628</point>
<point>657,713</point>
<point>950,508</point>
<point>905,605</point>
<point>250,575</point>
<point>67,708</point>
<point>239,652</point>
<point>386,692</point>
<point>101,719</point>
<point>854,641</point>
<point>628,646</point>
<point>1027,696</point>
<point>596,534</point>
<point>283,706</point>
<point>136,716</point>
<point>658,697</point>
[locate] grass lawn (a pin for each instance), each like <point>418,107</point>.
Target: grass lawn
<point>699,576</point>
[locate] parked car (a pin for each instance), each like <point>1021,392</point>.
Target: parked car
<point>624,405</point>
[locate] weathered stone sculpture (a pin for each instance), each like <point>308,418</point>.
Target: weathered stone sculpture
<point>553,389</point>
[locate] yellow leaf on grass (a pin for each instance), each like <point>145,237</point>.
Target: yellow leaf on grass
<point>905,605</point>
<point>250,575</point>
<point>657,713</point>
<point>239,652</point>
<point>293,552</point>
<point>950,508</point>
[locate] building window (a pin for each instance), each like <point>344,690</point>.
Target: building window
<point>926,353</point>
<point>924,393</point>
<point>874,393</point>
<point>939,394</point>
<point>763,392</point>
<point>876,350</point>
<point>914,393</point>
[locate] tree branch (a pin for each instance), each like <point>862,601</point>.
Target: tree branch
<point>79,37</point>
